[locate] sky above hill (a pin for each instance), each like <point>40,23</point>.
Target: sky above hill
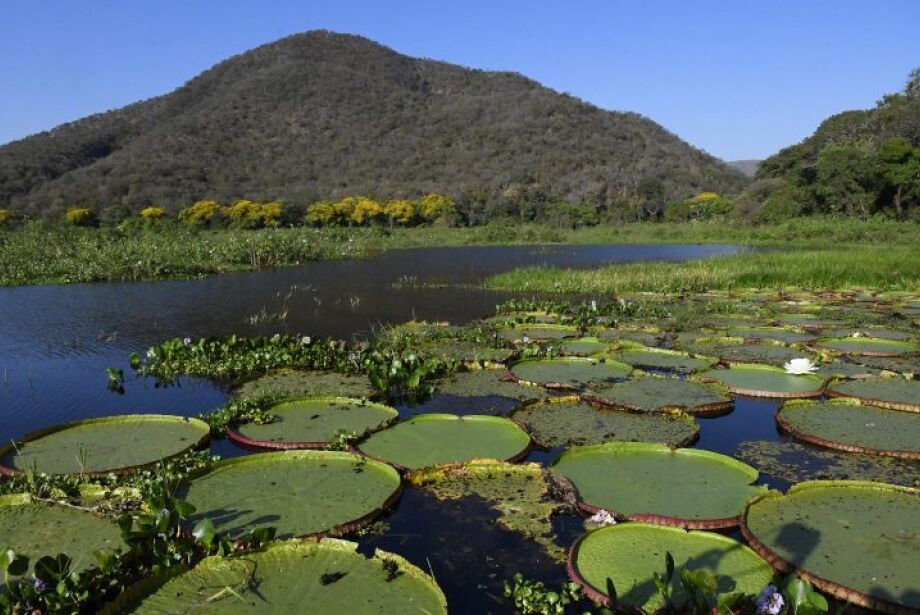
<point>739,79</point>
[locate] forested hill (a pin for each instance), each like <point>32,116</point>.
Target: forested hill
<point>321,115</point>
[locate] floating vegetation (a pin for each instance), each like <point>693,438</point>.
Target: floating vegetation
<point>734,350</point>
<point>33,528</point>
<point>855,540</point>
<point>485,383</point>
<point>567,421</point>
<point>312,422</point>
<point>661,359</point>
<point>690,488</point>
<point>766,381</point>
<point>102,445</point>
<point>521,494</point>
<point>536,331</point>
<point>300,493</point>
<point>432,439</point>
<point>583,347</point>
<point>779,334</point>
<point>793,462</point>
<point>631,556</point>
<point>570,373</point>
<point>868,346</point>
<point>872,332</point>
<point>328,576</point>
<point>905,366</point>
<point>300,383</point>
<point>466,352</point>
<point>845,424</point>
<point>892,393</point>
<point>654,394</point>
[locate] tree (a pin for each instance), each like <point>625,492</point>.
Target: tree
<point>153,214</point>
<point>912,88</point>
<point>80,216</point>
<point>899,163</point>
<point>320,213</point>
<point>845,178</point>
<point>400,212</point>
<point>650,198</point>
<point>436,207</point>
<point>366,211</point>
<point>201,213</point>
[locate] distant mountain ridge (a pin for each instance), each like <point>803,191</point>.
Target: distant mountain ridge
<point>321,115</point>
<point>748,167</point>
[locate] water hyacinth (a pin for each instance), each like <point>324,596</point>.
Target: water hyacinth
<point>770,601</point>
<point>602,518</point>
<point>800,367</point>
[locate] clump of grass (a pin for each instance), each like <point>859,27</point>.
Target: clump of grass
<point>871,267</point>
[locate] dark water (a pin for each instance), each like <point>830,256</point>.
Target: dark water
<point>56,341</point>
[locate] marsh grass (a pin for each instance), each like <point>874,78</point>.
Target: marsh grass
<point>869,266</point>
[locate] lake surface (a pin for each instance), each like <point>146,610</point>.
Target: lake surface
<point>56,341</point>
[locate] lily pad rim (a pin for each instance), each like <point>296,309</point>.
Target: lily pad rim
<point>710,410</point>
<point>819,345</point>
<point>201,442</point>
<point>562,386</point>
<point>744,392</point>
<point>830,392</point>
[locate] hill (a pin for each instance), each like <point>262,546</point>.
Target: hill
<point>321,115</point>
<point>748,167</point>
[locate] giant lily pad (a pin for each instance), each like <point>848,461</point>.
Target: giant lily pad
<point>691,488</point>
<point>857,541</point>
<point>300,383</point>
<point>312,422</point>
<point>300,493</point>
<point>486,383</point>
<point>845,424</point>
<point>431,439</point>
<point>892,393</point>
<point>652,394</point>
<point>537,331</point>
<point>584,346</point>
<point>466,352</point>
<point>328,576</point>
<point>35,529</point>
<point>734,350</point>
<point>630,554</point>
<point>519,493</point>
<point>567,420</point>
<point>766,381</point>
<point>569,373</point>
<point>660,359</point>
<point>874,332</point>
<point>780,334</point>
<point>869,346</point>
<point>906,366</point>
<point>98,446</point>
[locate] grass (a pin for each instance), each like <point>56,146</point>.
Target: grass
<point>36,254</point>
<point>866,266</point>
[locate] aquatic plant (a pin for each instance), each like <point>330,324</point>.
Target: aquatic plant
<point>534,598</point>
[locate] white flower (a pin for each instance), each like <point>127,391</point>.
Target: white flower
<point>305,340</point>
<point>602,517</point>
<point>593,305</point>
<point>187,342</point>
<point>799,367</point>
<point>770,601</point>
<point>525,339</point>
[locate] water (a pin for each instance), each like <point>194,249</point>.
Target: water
<point>56,341</point>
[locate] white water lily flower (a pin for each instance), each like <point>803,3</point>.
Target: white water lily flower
<point>602,517</point>
<point>800,367</point>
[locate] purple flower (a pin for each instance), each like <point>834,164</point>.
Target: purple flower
<point>39,585</point>
<point>770,601</point>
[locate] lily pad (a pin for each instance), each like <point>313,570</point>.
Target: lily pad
<point>35,529</point>
<point>312,422</point>
<point>652,394</point>
<point>486,383</point>
<point>300,493</point>
<point>566,421</point>
<point>690,488</point>
<point>301,383</point>
<point>875,332</point>
<point>738,352</point>
<point>661,359</point>
<point>847,425</point>
<point>780,334</point>
<point>519,493</point>
<point>328,576</point>
<point>583,347</point>
<point>907,366</point>
<point>630,555</point>
<point>892,393</point>
<point>431,439</point>
<point>845,369</point>
<point>466,352</point>
<point>568,373</point>
<point>766,381</point>
<point>869,346</point>
<point>857,541</point>
<point>102,445</point>
<point>537,331</point>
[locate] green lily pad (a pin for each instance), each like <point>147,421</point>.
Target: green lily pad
<point>806,320</point>
<point>484,383</point>
<point>431,439</point>
<point>583,347</point>
<point>875,332</point>
<point>567,420</point>
<point>537,331</point>
<point>845,369</point>
<point>846,425</point>
<point>35,529</point>
<point>466,352</point>
<point>312,422</point>
<point>519,493</point>
<point>766,381</point>
<point>738,352</point>
<point>908,366</point>
<point>691,488</point>
<point>652,394</point>
<point>661,359</point>
<point>110,444</point>
<point>646,338</point>
<point>780,334</point>
<point>300,493</point>
<point>870,346</point>
<point>792,462</point>
<point>857,541</point>
<point>630,554</point>
<point>568,373</point>
<point>328,576</point>
<point>302,383</point>
<point>892,393</point>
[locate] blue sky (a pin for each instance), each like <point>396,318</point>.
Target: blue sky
<point>738,78</point>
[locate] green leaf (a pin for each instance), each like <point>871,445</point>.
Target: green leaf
<point>204,532</point>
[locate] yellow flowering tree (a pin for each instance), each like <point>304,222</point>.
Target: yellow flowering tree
<point>153,214</point>
<point>366,211</point>
<point>80,216</point>
<point>320,213</point>
<point>271,214</point>
<point>435,207</point>
<point>400,212</point>
<point>343,210</point>
<point>202,213</point>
